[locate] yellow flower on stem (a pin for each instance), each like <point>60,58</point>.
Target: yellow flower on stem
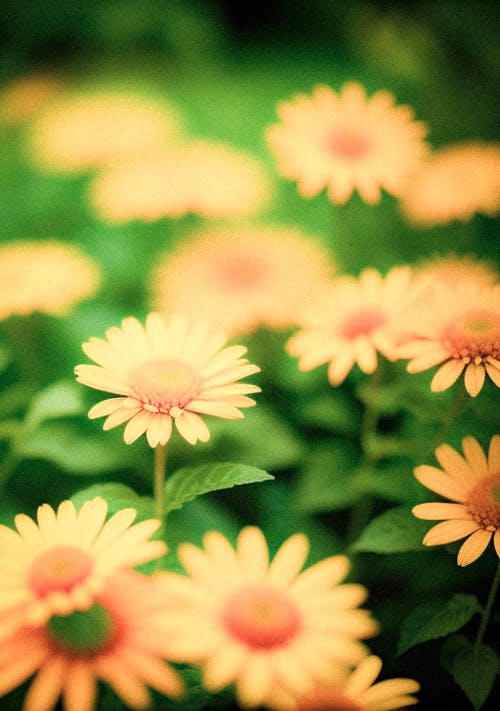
<point>472,482</point>
<point>164,373</point>
<point>347,141</point>
<point>258,623</point>
<point>122,640</point>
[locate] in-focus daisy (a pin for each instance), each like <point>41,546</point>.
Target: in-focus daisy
<point>26,95</point>
<point>472,482</point>
<point>353,319</point>
<point>458,326</point>
<point>455,182</point>
<point>354,691</point>
<point>207,178</point>
<point>258,623</point>
<point>57,564</point>
<point>122,640</point>
<point>47,276</point>
<point>242,278</point>
<point>347,141</point>
<point>166,372</point>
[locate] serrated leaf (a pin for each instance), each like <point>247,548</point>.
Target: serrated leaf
<point>189,482</point>
<point>119,496</point>
<point>394,531</point>
<point>473,668</point>
<point>428,622</point>
<point>60,399</point>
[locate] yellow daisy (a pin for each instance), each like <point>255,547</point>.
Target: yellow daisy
<point>166,372</point>
<point>257,623</point>
<point>472,482</point>
<point>451,269</point>
<point>347,141</point>
<point>121,640</point>
<point>56,564</point>
<point>353,320</point>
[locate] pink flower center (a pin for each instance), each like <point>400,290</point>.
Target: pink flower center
<point>240,272</point>
<point>484,503</point>
<point>59,569</point>
<point>474,337</point>
<point>361,323</point>
<point>262,617</point>
<point>165,383</point>
<point>348,144</point>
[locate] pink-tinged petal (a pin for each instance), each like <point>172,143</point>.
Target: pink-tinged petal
<point>153,432</point>
<point>340,366</point>
<point>289,560</point>
<point>119,417</point>
<point>494,373</point>
<point>494,455</point>
<point>475,457</point>
<point>447,375</point>
<point>440,483</point>
<point>253,553</point>
<point>80,689</point>
<point>137,426</point>
<point>106,407</point>
<point>219,409</point>
<point>363,676</point>
<point>439,512</point>
<point>192,427</point>
<point>449,531</point>
<point>165,428</point>
<point>454,464</point>
<point>474,378</point>
<point>47,686</point>
<point>432,355</point>
<point>472,548</point>
<point>366,355</point>
<point>96,377</point>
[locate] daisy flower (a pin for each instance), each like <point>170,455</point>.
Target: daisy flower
<point>258,623</point>
<point>56,564</point>
<point>47,276</point>
<point>458,326</point>
<point>451,269</point>
<point>347,141</point>
<point>351,321</point>
<point>242,278</point>
<point>166,372</point>
<point>122,640</point>
<point>472,482</point>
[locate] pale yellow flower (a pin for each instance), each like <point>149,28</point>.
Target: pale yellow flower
<point>452,269</point>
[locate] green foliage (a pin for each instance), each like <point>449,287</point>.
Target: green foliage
<point>394,531</point>
<point>474,668</point>
<point>60,399</point>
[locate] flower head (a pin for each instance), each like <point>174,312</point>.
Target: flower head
<point>47,276</point>
<point>22,98</point>
<point>166,372</point>
<point>57,564</point>
<point>242,278</point>
<point>121,640</point>
<point>351,321</point>
<point>472,482</point>
<point>451,269</point>
<point>347,142</point>
<point>258,623</point>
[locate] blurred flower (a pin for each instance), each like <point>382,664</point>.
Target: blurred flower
<point>203,177</point>
<point>164,372</point>
<point>451,269</point>
<point>25,96</point>
<point>255,623</point>
<point>458,326</point>
<point>121,640</point>
<point>453,184</point>
<point>47,276</point>
<point>242,278</point>
<point>474,483</point>
<point>353,320</point>
<point>85,131</point>
<point>57,566</point>
<point>347,142</point>
<point>356,691</point>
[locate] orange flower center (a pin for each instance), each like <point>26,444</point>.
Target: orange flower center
<point>241,272</point>
<point>59,569</point>
<point>348,144</point>
<point>474,337</point>
<point>262,617</point>
<point>165,383</point>
<point>361,323</point>
<point>484,503</point>
<point>328,700</point>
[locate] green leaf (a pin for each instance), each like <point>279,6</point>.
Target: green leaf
<point>333,413</point>
<point>189,482</point>
<point>394,531</point>
<point>390,480</point>
<point>473,669</point>
<point>119,496</point>
<point>428,622</point>
<point>60,399</point>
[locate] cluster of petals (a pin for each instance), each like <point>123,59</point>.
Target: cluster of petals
<point>452,269</point>
<point>242,278</point>
<point>347,141</point>
<point>472,483</point>
<point>261,624</point>
<point>26,95</point>
<point>166,372</point>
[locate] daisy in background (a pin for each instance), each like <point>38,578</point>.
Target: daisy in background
<point>353,320</point>
<point>122,640</point>
<point>242,278</point>
<point>24,96</point>
<point>261,624</point>
<point>472,482</point>
<point>347,141</point>
<point>452,269</point>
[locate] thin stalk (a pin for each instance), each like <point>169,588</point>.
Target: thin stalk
<point>159,479</point>
<point>487,610</point>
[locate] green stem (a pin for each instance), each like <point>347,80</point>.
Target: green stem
<point>487,610</point>
<point>159,479</point>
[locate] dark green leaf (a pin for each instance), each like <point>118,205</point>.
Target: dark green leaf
<point>474,669</point>
<point>394,531</point>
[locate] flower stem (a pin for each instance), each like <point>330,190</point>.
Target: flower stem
<point>159,479</point>
<point>487,610</point>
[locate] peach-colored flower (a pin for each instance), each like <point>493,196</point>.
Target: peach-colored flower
<point>455,182</point>
<point>458,326</point>
<point>347,142</point>
<point>242,278</point>
<point>47,276</point>
<point>22,98</point>
<point>258,623</point>
<point>85,131</point>
<point>204,177</point>
<point>122,640</point>
<point>452,269</point>
<point>472,482</point>
<point>166,372</point>
<point>353,319</point>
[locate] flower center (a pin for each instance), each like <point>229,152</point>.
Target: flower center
<point>241,272</point>
<point>361,323</point>
<point>165,383</point>
<point>59,569</point>
<point>261,617</point>
<point>484,503</point>
<point>348,144</point>
<point>82,634</point>
<point>474,337</point>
